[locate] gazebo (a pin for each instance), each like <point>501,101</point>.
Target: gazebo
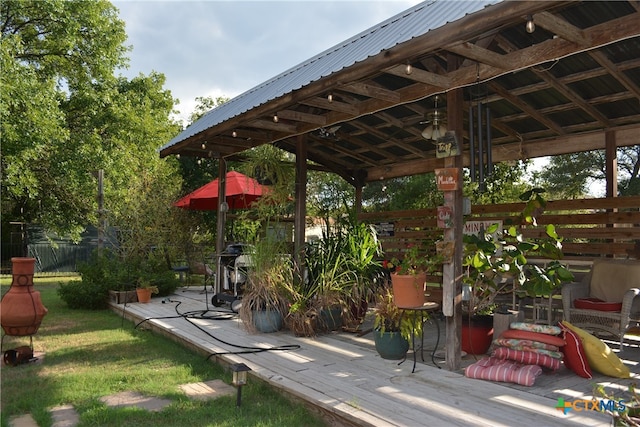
<point>445,84</point>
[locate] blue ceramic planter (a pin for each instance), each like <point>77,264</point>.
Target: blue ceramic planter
<point>390,345</point>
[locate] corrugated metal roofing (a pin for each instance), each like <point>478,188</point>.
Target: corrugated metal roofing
<point>400,28</point>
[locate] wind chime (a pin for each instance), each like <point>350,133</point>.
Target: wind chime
<point>481,164</point>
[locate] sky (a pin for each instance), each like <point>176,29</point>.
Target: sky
<point>224,48</point>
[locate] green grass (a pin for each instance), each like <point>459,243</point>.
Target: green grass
<point>90,354</point>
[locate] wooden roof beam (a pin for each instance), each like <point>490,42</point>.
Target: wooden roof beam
<point>479,54</point>
<point>526,108</point>
<point>601,58</point>
<point>420,76</point>
<point>324,103</point>
<point>562,28</point>
<point>302,117</point>
<point>372,91</point>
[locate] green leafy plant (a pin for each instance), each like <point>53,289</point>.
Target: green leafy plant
<point>145,284</point>
<point>496,261</point>
<point>390,318</point>
<point>268,279</point>
<point>416,259</point>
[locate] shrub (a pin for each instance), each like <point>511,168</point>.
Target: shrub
<point>106,271</point>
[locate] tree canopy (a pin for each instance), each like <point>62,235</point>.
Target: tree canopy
<point>64,115</point>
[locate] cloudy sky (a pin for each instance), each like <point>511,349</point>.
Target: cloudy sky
<point>224,48</point>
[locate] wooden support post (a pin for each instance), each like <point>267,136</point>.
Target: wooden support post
<point>222,216</point>
<point>452,273</point>
<point>301,206</point>
<point>611,160</point>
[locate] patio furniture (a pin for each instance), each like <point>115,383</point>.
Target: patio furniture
<point>610,281</point>
<point>422,314</point>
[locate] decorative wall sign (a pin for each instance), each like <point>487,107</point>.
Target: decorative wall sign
<point>445,248</point>
<point>447,179</point>
<point>384,229</point>
<point>447,145</point>
<point>445,217</point>
<point>475,227</point>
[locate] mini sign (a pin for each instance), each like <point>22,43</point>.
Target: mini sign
<point>445,217</point>
<point>447,179</point>
<point>476,227</point>
<point>447,145</point>
<point>384,229</point>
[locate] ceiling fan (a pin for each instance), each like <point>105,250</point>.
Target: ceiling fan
<point>437,126</point>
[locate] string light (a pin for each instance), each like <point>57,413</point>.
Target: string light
<point>330,98</point>
<point>178,156</point>
<point>204,146</point>
<point>234,134</point>
<point>408,69</point>
<point>275,118</point>
<point>199,161</point>
<point>531,26</point>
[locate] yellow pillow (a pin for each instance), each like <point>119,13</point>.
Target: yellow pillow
<point>599,354</point>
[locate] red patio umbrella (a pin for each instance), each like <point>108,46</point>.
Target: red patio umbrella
<point>241,191</point>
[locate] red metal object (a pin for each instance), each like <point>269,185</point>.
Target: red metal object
<point>21,309</point>
<point>241,191</point>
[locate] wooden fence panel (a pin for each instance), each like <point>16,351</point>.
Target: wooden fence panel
<point>591,228</point>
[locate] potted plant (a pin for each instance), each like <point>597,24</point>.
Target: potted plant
<point>144,289</point>
<point>496,263</point>
<point>391,328</point>
<point>264,302</point>
<point>409,276</point>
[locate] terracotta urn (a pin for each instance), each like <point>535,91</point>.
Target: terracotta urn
<point>21,309</point>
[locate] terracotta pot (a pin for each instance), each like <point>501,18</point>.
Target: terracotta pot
<point>144,295</point>
<point>408,290</point>
<point>21,309</point>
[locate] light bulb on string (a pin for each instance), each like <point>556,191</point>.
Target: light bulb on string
<point>531,26</point>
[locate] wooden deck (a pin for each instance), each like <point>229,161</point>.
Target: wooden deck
<point>342,376</point>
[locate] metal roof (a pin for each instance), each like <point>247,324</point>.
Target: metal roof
<point>569,86</point>
<point>404,26</point>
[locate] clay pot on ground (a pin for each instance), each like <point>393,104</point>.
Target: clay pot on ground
<point>21,308</point>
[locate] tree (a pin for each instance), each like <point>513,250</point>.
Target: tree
<point>572,175</point>
<point>64,115</point>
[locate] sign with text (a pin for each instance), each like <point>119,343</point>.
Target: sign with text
<point>445,217</point>
<point>384,229</point>
<point>447,179</point>
<point>447,145</point>
<point>475,227</point>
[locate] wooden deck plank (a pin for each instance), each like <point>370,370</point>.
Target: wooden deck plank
<point>342,374</point>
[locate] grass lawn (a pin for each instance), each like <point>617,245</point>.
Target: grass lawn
<point>90,354</point>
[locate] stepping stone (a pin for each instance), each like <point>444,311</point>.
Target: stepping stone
<point>131,398</point>
<point>64,416</point>
<point>22,421</point>
<point>207,390</point>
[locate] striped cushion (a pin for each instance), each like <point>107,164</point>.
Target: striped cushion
<point>533,336</point>
<point>527,357</point>
<point>574,356</point>
<point>494,369</point>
